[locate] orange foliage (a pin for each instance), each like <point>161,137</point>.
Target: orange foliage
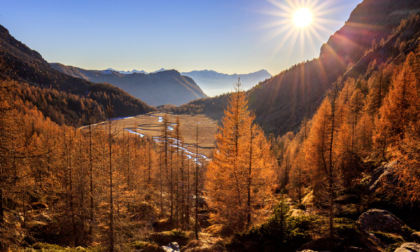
<point>241,176</point>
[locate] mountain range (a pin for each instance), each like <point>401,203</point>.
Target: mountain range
<point>211,82</point>
<point>158,88</point>
<point>214,83</point>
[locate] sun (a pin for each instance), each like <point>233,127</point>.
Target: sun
<point>302,17</point>
<point>299,25</point>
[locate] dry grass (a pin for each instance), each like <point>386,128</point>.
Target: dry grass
<point>150,126</point>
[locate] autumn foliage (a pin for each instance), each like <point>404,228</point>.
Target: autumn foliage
<point>241,176</point>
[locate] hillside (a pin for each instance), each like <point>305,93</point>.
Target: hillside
<point>61,97</point>
<point>164,87</point>
<point>281,102</point>
<point>291,95</point>
<point>214,83</point>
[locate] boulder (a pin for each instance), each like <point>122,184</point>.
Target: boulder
<point>171,247</point>
<point>380,220</point>
<point>379,174</point>
<point>409,247</point>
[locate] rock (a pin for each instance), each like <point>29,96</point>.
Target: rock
<point>415,237</point>
<point>383,172</point>
<point>171,247</point>
<point>380,220</point>
<point>409,247</point>
<point>308,200</point>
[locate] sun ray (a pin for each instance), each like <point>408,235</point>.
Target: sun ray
<point>300,26</point>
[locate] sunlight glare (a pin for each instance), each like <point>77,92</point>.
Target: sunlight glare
<point>302,17</point>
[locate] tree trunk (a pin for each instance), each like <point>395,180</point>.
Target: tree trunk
<point>196,183</point>
<point>91,183</point>
<point>248,224</point>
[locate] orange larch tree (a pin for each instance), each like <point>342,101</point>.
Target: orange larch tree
<point>241,175</point>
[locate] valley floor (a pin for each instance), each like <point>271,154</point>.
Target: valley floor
<point>150,125</point>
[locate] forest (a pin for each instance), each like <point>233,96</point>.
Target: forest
<point>71,187</point>
<point>344,178</point>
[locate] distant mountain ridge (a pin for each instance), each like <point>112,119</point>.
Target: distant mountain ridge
<point>211,82</point>
<point>133,71</point>
<point>157,88</point>
<point>214,83</point>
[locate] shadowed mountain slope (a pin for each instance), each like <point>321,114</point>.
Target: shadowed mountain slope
<point>163,87</point>
<point>59,96</point>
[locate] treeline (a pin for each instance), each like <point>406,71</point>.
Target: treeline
<point>87,186</point>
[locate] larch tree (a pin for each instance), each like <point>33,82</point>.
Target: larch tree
<point>399,129</point>
<point>241,175</point>
<point>11,146</point>
<point>322,158</point>
<point>401,107</point>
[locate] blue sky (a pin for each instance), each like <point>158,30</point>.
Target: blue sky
<point>230,36</point>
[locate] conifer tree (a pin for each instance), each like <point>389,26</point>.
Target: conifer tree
<point>320,154</point>
<point>241,174</point>
<point>399,129</point>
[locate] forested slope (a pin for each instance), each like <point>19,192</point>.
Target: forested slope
<point>59,96</point>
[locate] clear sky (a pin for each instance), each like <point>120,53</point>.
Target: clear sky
<point>229,36</point>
